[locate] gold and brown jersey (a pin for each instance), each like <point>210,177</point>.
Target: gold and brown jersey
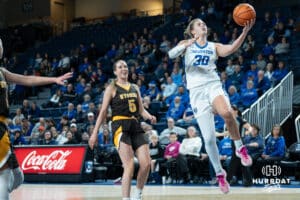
<point>125,102</point>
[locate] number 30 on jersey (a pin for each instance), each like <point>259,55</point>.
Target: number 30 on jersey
<point>201,60</point>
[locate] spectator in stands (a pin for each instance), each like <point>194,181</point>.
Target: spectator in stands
<point>18,138</point>
<point>80,115</point>
<point>92,52</point>
<point>41,122</point>
<point>55,100</point>
<point>275,145</point>
<point>169,90</point>
<point>86,102</point>
<point>171,154</point>
<point>18,116</point>
<point>156,154</point>
<point>253,69</point>
<point>283,47</point>
<point>267,23</point>
<point>146,103</point>
<point>249,95</point>
<point>272,59</point>
<point>153,91</point>
<point>279,32</point>
<point>190,150</point>
<point>161,71</point>
<point>248,47</point>
<point>176,109</point>
<point>229,68</point>
<point>70,138</point>
<point>47,140</point>
<point>176,74</point>
<point>112,52</point>
<point>183,94</point>
<point>219,123</point>
<point>90,120</point>
<point>63,88</point>
<point>92,108</point>
<point>225,150</point>
<point>237,77</point>
<point>269,72</point>
<point>225,81</point>
<point>164,135</point>
<point>35,111</point>
<point>188,117</point>
<point>37,61</point>
<point>37,136</point>
<point>280,72</point>
<point>85,138</point>
<point>69,96</point>
<point>262,83</point>
<point>80,86</point>
<point>84,66</point>
<point>25,108</point>
<point>261,62</point>
<point>70,112</point>
<point>254,142</point>
<point>26,127</point>
<point>76,132</point>
<point>269,47</point>
<point>64,63</point>
<point>64,121</point>
<point>142,86</point>
<point>59,138</point>
<point>105,139</point>
<point>165,44</point>
<point>234,96</point>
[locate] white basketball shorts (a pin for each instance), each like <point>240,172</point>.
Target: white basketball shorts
<point>202,97</point>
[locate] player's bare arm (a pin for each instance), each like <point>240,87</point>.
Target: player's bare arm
<point>108,94</point>
<point>226,50</point>
<point>34,80</point>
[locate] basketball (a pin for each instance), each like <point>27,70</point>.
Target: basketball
<point>242,13</point>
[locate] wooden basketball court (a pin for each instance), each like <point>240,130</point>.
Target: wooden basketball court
<point>113,192</point>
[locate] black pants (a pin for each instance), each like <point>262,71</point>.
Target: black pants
<point>177,167</point>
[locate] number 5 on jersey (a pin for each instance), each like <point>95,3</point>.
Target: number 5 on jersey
<point>201,60</point>
<point>132,106</point>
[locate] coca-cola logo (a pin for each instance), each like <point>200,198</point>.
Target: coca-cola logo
<point>54,161</point>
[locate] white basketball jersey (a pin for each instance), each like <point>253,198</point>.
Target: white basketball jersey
<point>200,64</point>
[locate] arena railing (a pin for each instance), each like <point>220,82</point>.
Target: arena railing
<point>274,107</point>
<point>297,125</point>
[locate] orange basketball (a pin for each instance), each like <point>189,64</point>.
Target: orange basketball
<point>242,13</point>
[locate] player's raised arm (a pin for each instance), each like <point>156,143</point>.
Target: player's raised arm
<point>34,80</point>
<point>226,50</point>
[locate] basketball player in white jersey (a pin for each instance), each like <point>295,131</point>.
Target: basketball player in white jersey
<point>11,175</point>
<point>206,93</point>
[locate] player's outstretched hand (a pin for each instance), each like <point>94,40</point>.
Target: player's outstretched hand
<point>249,25</point>
<point>153,119</point>
<point>60,80</point>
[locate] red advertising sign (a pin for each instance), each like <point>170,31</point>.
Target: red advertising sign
<point>51,160</point>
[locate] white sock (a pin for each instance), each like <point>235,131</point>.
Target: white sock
<point>238,144</point>
<point>138,193</point>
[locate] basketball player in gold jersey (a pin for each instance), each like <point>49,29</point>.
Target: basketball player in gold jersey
<point>128,136</point>
<point>10,174</point>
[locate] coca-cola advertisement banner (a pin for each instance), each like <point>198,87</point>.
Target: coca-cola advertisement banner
<point>51,160</point>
